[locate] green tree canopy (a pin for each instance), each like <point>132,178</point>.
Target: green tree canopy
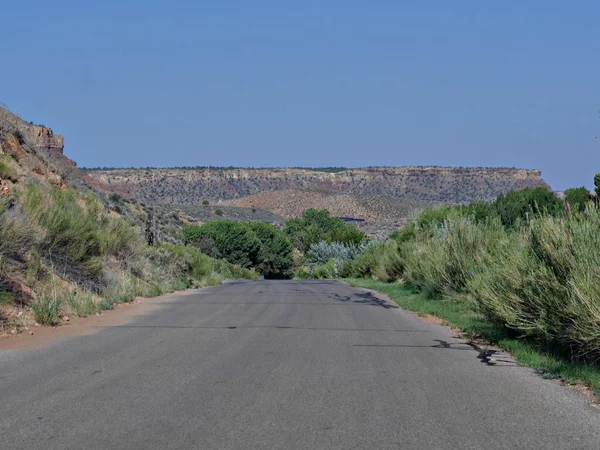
<point>276,255</point>
<point>228,239</point>
<point>317,225</point>
<point>577,198</point>
<point>524,203</point>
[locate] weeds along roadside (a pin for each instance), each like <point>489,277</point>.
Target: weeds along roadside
<point>68,256</point>
<point>527,279</point>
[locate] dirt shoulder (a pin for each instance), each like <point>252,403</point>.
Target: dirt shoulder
<point>40,336</point>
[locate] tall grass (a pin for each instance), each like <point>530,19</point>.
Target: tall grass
<point>46,310</point>
<point>82,303</point>
<point>545,283</point>
<point>540,280</point>
<point>78,235</point>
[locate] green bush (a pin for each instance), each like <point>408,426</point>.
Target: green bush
<point>325,271</point>
<point>380,261</point>
<point>318,225</point>
<point>577,198</point>
<point>544,282</point>
<point>234,241</point>
<point>275,257</point>
<point>302,273</point>
<point>225,269</point>
<point>521,206</point>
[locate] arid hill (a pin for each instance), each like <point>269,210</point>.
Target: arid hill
<point>381,215</point>
<point>193,185</point>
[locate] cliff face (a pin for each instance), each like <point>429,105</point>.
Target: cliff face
<point>191,186</point>
<point>42,138</point>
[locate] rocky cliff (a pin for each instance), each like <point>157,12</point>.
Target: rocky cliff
<point>192,185</point>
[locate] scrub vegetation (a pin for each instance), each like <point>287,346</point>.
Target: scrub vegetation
<point>67,249</point>
<point>522,272</point>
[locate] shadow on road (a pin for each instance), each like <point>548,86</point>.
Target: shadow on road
<point>487,356</point>
<point>363,298</point>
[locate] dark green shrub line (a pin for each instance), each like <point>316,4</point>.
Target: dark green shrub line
<point>255,245</point>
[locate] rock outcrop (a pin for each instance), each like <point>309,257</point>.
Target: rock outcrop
<point>43,139</point>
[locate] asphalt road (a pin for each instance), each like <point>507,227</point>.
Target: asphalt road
<point>281,365</point>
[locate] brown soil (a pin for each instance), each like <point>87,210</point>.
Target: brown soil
<point>78,326</point>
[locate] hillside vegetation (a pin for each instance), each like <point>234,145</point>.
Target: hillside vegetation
<point>66,248</point>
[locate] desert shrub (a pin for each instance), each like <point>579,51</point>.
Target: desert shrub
<point>325,271</point>
<point>226,270</point>
<point>543,281</point>
<point>389,263</point>
<point>7,172</point>
<point>124,287</point>
<point>46,310</point>
<point>522,205</point>
<point>6,299</point>
<point>479,211</point>
<point>18,234</point>
<point>577,198</point>
<point>235,241</point>
<point>430,218</point>
<point>78,234</point>
<point>347,234</point>
<point>318,225</point>
<point>363,266</point>
<point>183,267</point>
<point>404,234</point>
<point>425,260</point>
<point>530,269</point>
<point>82,304</point>
<point>302,273</point>
<point>275,257</point>
<point>443,258</point>
<point>321,252</point>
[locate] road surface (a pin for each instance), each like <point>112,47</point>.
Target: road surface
<point>281,365</point>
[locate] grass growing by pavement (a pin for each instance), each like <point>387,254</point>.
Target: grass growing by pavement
<point>46,310</point>
<point>460,314</point>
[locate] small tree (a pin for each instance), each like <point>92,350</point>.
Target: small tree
<point>597,184</point>
<point>525,203</point>
<point>317,225</point>
<point>205,202</point>
<point>577,198</point>
<point>234,241</point>
<point>276,255</point>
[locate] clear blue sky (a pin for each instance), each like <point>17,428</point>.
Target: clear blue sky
<point>312,82</point>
